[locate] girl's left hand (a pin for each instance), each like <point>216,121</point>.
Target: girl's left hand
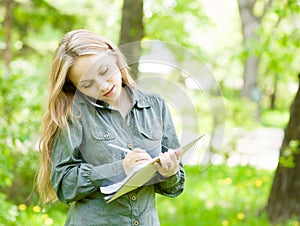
<point>169,163</point>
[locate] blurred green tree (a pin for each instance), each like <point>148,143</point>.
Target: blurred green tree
<point>175,22</point>
<point>24,19</point>
<point>252,13</point>
<point>278,48</point>
<point>20,90</point>
<point>270,33</point>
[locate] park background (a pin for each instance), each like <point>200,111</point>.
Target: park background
<point>251,48</point>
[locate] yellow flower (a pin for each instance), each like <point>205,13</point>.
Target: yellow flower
<point>225,223</point>
<point>296,223</point>
<point>22,207</point>
<point>228,180</point>
<point>258,183</point>
<point>240,216</point>
<point>48,221</point>
<point>36,209</point>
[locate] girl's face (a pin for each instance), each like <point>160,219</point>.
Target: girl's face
<point>97,76</point>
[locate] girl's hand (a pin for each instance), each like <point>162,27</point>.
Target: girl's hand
<point>169,163</point>
<point>136,157</point>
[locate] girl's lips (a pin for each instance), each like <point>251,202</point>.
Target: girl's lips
<point>109,92</point>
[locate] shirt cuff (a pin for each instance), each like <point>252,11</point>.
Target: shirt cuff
<point>170,181</point>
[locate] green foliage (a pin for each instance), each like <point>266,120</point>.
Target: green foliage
<point>278,48</point>
<point>24,171</point>
<point>103,17</point>
<point>22,95</point>
<point>6,162</point>
<point>287,156</point>
<point>8,211</point>
<point>34,15</point>
<point>275,118</point>
<point>174,21</point>
<point>241,112</point>
<point>6,165</point>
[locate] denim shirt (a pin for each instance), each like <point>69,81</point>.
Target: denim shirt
<point>83,161</point>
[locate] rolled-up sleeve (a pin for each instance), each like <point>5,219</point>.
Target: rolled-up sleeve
<point>174,185</point>
<point>71,177</point>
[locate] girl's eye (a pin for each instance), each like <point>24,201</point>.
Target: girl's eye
<point>87,85</point>
<point>103,70</point>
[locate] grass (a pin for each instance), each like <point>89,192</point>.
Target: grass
<point>218,196</point>
<point>33,215</point>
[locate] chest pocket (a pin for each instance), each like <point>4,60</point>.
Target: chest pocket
<point>98,151</point>
<point>103,135</point>
<point>150,137</point>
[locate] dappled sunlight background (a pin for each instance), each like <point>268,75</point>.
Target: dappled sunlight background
<point>193,54</point>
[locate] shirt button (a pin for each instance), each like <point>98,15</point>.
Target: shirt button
<point>133,198</point>
<point>129,146</point>
<point>106,135</point>
<point>127,124</point>
<point>136,222</point>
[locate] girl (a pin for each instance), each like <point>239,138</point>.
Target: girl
<point>93,103</point>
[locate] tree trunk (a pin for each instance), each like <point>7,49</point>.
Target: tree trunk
<point>284,199</point>
<point>132,32</point>
<point>250,78</point>
<point>250,24</point>
<point>7,25</point>
<point>274,93</point>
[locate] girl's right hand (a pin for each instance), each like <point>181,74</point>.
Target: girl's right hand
<point>136,157</point>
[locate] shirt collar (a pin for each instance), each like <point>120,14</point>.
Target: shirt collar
<point>138,97</point>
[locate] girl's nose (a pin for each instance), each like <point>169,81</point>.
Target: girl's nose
<point>103,86</point>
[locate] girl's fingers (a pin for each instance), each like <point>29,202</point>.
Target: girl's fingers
<point>174,158</point>
<point>169,163</point>
<point>142,156</point>
<point>137,155</point>
<point>162,160</point>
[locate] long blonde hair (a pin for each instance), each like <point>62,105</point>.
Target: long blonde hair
<point>61,93</point>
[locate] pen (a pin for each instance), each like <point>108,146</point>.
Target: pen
<point>120,148</point>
